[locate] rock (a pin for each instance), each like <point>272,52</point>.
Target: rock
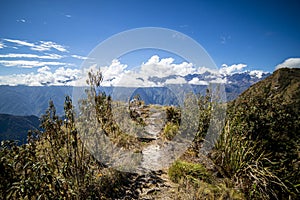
<point>153,191</point>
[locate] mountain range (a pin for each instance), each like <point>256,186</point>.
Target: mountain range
<point>33,100</point>
<point>21,105</point>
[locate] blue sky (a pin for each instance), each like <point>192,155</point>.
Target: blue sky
<point>259,34</point>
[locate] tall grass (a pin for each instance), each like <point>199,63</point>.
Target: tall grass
<point>247,165</point>
<point>196,182</point>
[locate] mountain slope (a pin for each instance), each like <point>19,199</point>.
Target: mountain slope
<point>282,86</point>
<point>32,100</point>
<point>16,127</point>
<point>239,82</point>
<point>268,114</point>
<point>270,111</point>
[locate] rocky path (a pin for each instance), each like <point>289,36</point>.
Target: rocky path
<point>150,186</point>
<point>152,180</point>
<point>155,183</point>
<point>155,123</point>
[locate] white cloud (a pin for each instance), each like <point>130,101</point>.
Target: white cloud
<point>29,63</point>
<point>197,81</point>
<point>47,56</point>
<point>44,69</point>
<point>68,16</point>
<point>21,20</point>
<point>166,67</point>
<point>155,72</point>
<point>227,70</point>
<point>219,80</point>
<point>48,45</point>
<point>178,80</point>
<point>257,73</point>
<point>164,71</point>
<point>112,74</point>
<point>203,69</point>
<point>289,63</point>
<point>61,76</point>
<point>114,70</point>
<point>41,46</point>
<point>117,73</point>
<point>20,42</point>
<point>2,45</point>
<point>79,57</point>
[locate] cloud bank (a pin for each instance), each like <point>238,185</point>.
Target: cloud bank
<point>61,76</point>
<point>155,72</point>
<point>227,70</point>
<point>289,63</point>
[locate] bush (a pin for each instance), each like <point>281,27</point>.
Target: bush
<point>245,163</point>
<point>173,115</point>
<point>195,182</point>
<point>261,135</point>
<point>185,170</point>
<point>170,131</point>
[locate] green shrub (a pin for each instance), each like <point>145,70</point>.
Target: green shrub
<point>185,170</point>
<point>170,131</point>
<point>195,182</point>
<point>173,115</point>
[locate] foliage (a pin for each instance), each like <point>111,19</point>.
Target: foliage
<point>173,117</point>
<point>259,148</point>
<point>199,189</point>
<point>204,110</point>
<point>170,130</point>
<point>245,163</point>
<point>52,165</point>
<point>97,108</point>
<point>99,101</point>
<point>181,169</point>
<point>195,182</point>
<point>274,126</point>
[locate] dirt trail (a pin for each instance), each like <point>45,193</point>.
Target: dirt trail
<point>154,184</point>
<point>154,126</point>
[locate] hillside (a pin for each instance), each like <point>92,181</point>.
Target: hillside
<point>31,100</point>
<point>282,86</point>
<point>16,127</point>
<point>267,116</point>
<point>270,112</point>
